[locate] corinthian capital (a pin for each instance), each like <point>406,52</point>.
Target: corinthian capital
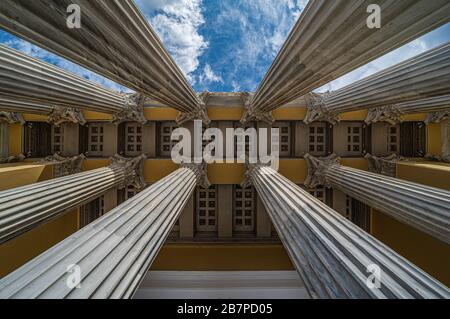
<point>384,165</point>
<point>133,110</point>
<point>200,113</point>
<point>13,159</point>
<point>11,118</point>
<point>437,117</point>
<point>317,169</point>
<point>390,114</point>
<point>250,170</point>
<point>62,115</point>
<point>65,166</point>
<point>252,114</point>
<point>317,109</point>
<point>133,170</point>
<point>201,171</point>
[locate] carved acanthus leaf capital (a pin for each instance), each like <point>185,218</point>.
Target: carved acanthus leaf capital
<point>445,158</point>
<point>317,169</point>
<point>65,166</point>
<point>201,171</point>
<point>384,165</point>
<point>13,159</point>
<point>201,113</point>
<point>11,118</point>
<point>62,115</point>
<point>249,173</point>
<point>390,114</point>
<point>251,114</point>
<point>437,117</point>
<point>134,170</point>
<point>133,110</point>
<point>317,109</point>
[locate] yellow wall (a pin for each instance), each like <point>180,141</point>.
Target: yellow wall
<point>21,174</point>
<point>35,118</point>
<point>427,173</point>
<point>354,116</point>
<point>225,113</point>
<point>22,249</point>
<point>224,174</point>
<point>434,143</point>
<point>428,253</point>
<point>15,139</point>
<point>221,257</point>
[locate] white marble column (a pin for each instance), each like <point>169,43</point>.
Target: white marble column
<point>331,38</point>
<point>114,40</point>
<point>57,115</point>
<point>437,108</point>
<point>28,79</point>
<point>332,255</point>
<point>422,207</point>
<point>115,252</point>
<point>424,76</point>
<point>27,207</point>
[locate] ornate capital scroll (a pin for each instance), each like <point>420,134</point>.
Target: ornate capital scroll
<point>133,111</point>
<point>133,170</point>
<point>201,171</point>
<point>317,169</point>
<point>251,114</point>
<point>62,115</point>
<point>11,118</point>
<point>66,165</point>
<point>200,113</point>
<point>384,165</point>
<point>437,117</point>
<point>13,159</point>
<point>317,109</point>
<point>390,114</point>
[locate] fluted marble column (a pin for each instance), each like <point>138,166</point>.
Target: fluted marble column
<point>424,208</point>
<point>437,108</point>
<point>113,253</point>
<point>331,254</point>
<point>115,40</point>
<point>331,38</point>
<point>56,114</point>
<point>35,81</point>
<point>424,76</point>
<point>27,207</point>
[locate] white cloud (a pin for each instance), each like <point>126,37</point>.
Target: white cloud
<point>208,76</point>
<point>37,52</point>
<point>177,23</point>
<point>261,27</point>
<point>236,86</point>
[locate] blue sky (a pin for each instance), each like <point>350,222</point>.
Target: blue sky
<point>229,45</point>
